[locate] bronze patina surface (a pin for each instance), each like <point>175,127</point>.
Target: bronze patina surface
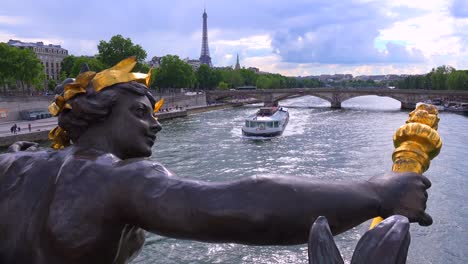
<point>89,200</point>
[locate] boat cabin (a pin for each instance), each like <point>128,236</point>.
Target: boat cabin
<point>261,124</point>
<point>267,111</point>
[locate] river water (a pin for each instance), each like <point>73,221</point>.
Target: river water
<point>348,144</point>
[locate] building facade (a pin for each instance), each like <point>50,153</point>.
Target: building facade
<point>195,64</point>
<point>51,56</point>
<point>155,62</point>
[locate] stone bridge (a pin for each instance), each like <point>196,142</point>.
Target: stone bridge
<point>336,96</point>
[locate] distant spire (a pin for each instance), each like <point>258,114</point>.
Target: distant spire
<point>237,63</point>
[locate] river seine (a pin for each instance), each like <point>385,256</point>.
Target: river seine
<point>348,144</point>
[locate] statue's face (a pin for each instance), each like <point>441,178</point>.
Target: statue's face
<point>132,126</point>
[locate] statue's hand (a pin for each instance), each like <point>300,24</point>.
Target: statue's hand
<point>403,194</point>
<point>23,146</point>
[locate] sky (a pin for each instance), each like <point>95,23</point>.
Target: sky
<point>293,38</point>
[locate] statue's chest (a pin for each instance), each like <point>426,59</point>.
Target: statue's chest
<point>130,244</point>
<point>115,245</point>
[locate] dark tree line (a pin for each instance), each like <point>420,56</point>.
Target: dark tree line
<point>440,78</point>
<point>175,73</point>
<point>20,69</point>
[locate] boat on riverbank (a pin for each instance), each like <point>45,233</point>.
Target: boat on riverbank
<point>266,122</point>
<point>457,107</point>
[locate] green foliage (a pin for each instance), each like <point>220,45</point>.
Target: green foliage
<point>119,48</point>
<point>51,85</point>
<point>63,76</point>
<point>249,77</point>
<point>6,66</point>
<point>20,65</point>
<point>457,80</point>
<point>263,82</point>
<point>441,78</point>
<point>223,86</point>
<point>207,78</point>
<point>173,73</point>
<point>67,65</point>
<point>93,64</point>
<point>232,77</point>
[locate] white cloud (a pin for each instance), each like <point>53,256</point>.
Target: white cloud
<point>433,34</point>
<point>251,42</point>
<point>348,36</point>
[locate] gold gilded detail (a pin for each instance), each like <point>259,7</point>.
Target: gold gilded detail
<point>59,138</point>
<point>119,73</point>
<point>416,143</point>
<point>158,105</point>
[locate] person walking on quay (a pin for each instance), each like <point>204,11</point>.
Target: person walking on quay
<point>19,129</point>
<point>29,127</point>
<point>14,129</point>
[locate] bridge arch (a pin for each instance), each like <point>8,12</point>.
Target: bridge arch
<point>336,96</point>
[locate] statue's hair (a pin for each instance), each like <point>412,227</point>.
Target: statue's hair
<point>92,107</point>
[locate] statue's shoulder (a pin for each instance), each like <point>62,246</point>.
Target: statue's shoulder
<point>109,163</point>
<point>28,157</point>
<point>139,165</point>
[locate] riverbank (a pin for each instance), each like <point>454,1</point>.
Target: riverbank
<point>40,128</point>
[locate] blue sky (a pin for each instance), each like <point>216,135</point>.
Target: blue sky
<point>295,37</point>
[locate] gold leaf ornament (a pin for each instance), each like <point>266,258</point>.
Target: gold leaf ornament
<point>119,73</point>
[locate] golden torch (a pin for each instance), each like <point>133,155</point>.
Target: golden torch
<point>416,143</point>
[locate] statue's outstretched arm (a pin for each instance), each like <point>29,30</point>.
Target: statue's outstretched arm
<point>264,210</point>
<point>23,146</point>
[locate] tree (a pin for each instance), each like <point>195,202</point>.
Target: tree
<point>204,76</point>
<point>67,65</point>
<point>263,82</point>
<point>439,77</point>
<point>6,66</point>
<point>223,86</point>
<point>119,48</point>
<point>173,73</point>
<point>51,85</point>
<point>93,64</point>
<point>235,78</point>
<point>457,80</point>
<point>249,77</point>
<point>28,69</point>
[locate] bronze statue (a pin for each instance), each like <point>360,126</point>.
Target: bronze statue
<point>89,200</point>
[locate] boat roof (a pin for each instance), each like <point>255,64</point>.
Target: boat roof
<point>273,116</point>
<point>267,111</point>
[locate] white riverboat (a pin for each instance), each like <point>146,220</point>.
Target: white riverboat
<point>267,122</point>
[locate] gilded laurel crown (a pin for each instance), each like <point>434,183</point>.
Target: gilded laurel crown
<point>120,73</point>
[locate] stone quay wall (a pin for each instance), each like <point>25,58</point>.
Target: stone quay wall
<point>33,136</point>
<point>10,107</point>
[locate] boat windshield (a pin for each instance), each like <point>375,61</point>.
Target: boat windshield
<point>254,124</point>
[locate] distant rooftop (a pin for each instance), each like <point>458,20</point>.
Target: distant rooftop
<point>18,43</point>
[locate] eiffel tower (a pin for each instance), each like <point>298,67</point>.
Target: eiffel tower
<point>205,51</point>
